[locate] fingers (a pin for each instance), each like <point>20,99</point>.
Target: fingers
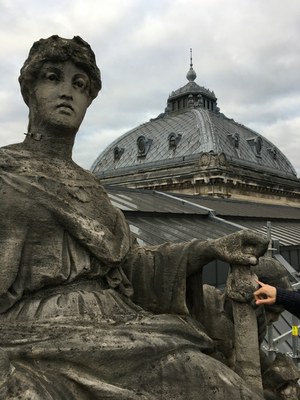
<point>261,292</point>
<point>261,298</point>
<point>260,283</point>
<point>266,294</point>
<point>266,301</point>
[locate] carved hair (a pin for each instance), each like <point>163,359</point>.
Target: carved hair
<point>57,49</point>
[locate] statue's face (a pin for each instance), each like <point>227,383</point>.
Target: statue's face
<point>60,96</point>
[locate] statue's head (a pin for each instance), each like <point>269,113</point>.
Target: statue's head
<point>57,49</point>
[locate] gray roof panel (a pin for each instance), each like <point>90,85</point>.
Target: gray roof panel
<point>154,230</point>
<point>150,201</point>
<point>157,217</point>
<point>287,232</point>
<point>239,208</point>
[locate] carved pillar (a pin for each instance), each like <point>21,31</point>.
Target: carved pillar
<point>240,287</point>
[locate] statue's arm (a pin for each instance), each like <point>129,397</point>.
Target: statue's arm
<point>159,274</point>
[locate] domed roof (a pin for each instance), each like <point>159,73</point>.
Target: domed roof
<point>197,131</point>
<point>191,126</point>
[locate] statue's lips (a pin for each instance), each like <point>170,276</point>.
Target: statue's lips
<point>65,105</point>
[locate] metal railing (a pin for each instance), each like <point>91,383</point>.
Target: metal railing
<point>273,343</point>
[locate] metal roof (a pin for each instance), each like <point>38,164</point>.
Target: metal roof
<point>157,217</point>
<point>151,201</point>
<point>285,220</point>
<point>241,208</point>
<point>158,229</point>
<point>201,131</point>
<point>287,232</point>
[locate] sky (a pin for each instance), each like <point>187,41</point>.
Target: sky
<point>246,51</point>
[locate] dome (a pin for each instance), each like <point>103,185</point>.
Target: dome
<point>201,131</point>
<point>194,148</point>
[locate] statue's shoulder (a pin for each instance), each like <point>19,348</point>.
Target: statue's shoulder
<point>12,155</point>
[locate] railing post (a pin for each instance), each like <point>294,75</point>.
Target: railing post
<point>295,332</point>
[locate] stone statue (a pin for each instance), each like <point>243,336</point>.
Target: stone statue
<point>85,312</point>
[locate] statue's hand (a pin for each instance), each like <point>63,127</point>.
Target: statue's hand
<point>241,248</point>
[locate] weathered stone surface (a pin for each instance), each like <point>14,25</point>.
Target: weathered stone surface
<point>86,313</point>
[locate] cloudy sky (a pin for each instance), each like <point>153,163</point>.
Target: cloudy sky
<point>247,51</point>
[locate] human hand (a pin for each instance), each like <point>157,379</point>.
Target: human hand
<point>266,294</point>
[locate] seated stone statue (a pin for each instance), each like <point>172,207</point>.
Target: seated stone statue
<point>85,312</point>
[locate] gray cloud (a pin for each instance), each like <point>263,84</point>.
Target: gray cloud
<point>247,51</point>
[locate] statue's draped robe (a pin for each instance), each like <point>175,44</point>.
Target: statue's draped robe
<point>67,320</point>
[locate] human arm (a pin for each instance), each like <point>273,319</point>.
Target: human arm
<point>290,300</point>
<point>269,295</point>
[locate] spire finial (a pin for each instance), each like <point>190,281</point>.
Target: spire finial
<point>191,75</point>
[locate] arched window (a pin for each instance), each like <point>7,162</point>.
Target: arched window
<point>174,139</point>
<point>258,145</point>
<point>118,153</point>
<point>143,145</point>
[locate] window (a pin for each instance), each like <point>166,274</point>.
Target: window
<point>118,153</point>
<point>174,139</point>
<point>143,146</point>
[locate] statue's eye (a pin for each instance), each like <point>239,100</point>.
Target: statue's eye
<point>51,76</point>
<point>80,83</point>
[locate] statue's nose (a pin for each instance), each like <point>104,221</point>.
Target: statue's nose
<point>66,89</point>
